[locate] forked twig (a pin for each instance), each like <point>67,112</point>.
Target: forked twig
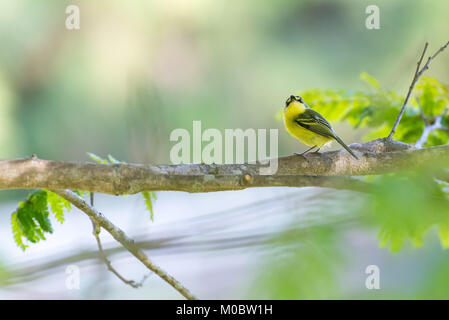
<point>418,74</point>
<point>123,239</point>
<point>96,232</point>
<point>434,123</point>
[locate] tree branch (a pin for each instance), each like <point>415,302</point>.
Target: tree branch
<point>379,156</point>
<point>96,232</point>
<point>121,237</point>
<point>418,74</point>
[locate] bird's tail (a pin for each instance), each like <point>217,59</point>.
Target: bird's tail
<point>345,146</point>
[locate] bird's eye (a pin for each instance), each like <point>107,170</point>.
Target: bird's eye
<point>299,99</point>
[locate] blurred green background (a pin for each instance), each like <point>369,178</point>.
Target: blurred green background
<point>137,69</point>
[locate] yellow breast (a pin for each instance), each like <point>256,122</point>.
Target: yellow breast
<point>305,136</point>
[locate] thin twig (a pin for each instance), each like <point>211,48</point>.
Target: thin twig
<point>428,129</point>
<point>412,85</point>
<point>96,232</point>
<point>418,74</point>
<point>121,237</point>
<point>434,123</point>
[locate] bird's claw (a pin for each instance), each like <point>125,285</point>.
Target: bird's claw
<point>302,155</point>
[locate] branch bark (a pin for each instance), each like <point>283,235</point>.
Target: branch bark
<point>329,169</point>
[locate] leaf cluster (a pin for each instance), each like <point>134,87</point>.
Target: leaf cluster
<point>30,222</point>
<point>407,206</point>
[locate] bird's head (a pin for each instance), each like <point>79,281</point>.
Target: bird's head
<point>295,102</point>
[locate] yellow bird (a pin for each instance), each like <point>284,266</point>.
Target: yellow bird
<point>308,126</point>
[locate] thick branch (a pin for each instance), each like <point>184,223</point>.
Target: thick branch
<point>376,157</point>
<point>121,237</point>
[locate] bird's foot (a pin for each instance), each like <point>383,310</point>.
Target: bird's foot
<point>305,152</point>
<point>301,154</point>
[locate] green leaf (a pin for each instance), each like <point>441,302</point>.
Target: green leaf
<point>433,96</point>
<point>407,206</point>
<point>370,80</point>
<point>149,196</point>
<point>437,137</point>
<point>443,233</point>
<point>17,231</point>
<point>97,158</point>
<point>31,219</point>
<point>81,193</point>
<point>113,160</point>
<point>57,205</point>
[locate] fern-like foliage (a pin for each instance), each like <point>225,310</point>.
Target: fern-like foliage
<point>57,205</point>
<point>148,196</point>
<point>30,222</point>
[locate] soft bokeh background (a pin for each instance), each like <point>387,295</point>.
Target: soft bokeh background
<point>136,70</point>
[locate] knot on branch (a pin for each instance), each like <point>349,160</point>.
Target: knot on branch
<point>382,145</point>
<point>247,179</point>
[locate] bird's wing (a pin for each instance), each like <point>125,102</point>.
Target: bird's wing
<point>313,121</point>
